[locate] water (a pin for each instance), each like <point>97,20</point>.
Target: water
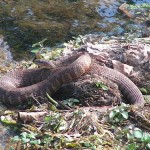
<point>24,23</point>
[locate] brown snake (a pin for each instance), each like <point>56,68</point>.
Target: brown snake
<point>17,87</point>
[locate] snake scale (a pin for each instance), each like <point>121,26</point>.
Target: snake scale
<point>17,87</point>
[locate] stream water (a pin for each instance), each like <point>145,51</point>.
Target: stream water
<point>24,23</point>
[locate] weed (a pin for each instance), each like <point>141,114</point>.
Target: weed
<point>102,86</point>
<point>119,114</point>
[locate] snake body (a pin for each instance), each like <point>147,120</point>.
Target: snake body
<point>17,87</point>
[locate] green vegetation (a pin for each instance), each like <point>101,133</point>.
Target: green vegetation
<point>144,6</point>
<point>119,114</point>
<point>102,86</point>
<point>78,129</point>
<point>145,90</point>
<point>136,139</point>
<point>71,102</point>
<point>29,138</point>
<point>40,51</point>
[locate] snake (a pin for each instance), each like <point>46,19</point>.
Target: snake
<point>17,87</point>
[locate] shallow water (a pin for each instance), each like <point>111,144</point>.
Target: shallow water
<point>24,23</point>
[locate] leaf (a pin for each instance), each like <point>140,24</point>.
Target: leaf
<point>123,105</point>
<point>101,85</point>
<point>93,147</point>
<point>39,43</point>
<point>25,140</point>
<point>76,101</point>
<point>35,50</point>
<point>15,138</point>
<point>23,134</point>
<point>31,135</point>
<point>130,136</point>
<point>112,114</point>
<point>104,87</point>
<point>70,102</point>
<point>131,146</point>
<point>72,145</point>
<point>47,119</point>
<point>34,142</point>
<point>148,145</point>
<point>65,102</point>
<point>125,114</point>
<point>146,137</point>
<point>86,144</point>
<point>137,133</point>
<point>117,109</point>
<point>117,120</point>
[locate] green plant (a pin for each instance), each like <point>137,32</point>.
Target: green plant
<point>132,146</point>
<point>101,85</point>
<point>88,145</point>
<point>137,139</point>
<point>55,122</point>
<point>38,46</point>
<point>78,41</point>
<point>39,43</point>
<point>27,138</point>
<point>47,53</point>
<point>71,102</point>
<point>119,113</point>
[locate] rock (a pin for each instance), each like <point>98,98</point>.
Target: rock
<point>123,68</point>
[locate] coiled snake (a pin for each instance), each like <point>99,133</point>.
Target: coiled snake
<point>17,87</point>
